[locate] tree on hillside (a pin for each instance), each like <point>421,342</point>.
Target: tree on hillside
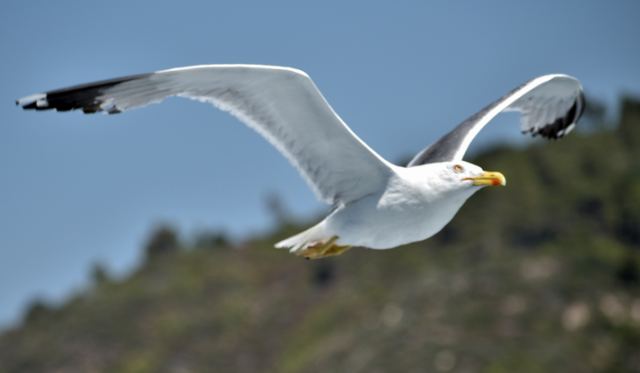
<point>162,240</point>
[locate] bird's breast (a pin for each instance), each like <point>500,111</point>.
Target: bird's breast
<point>396,217</point>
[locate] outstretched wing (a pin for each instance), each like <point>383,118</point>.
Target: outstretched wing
<point>550,106</point>
<point>282,104</point>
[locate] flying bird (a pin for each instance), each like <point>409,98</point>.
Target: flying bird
<point>376,204</point>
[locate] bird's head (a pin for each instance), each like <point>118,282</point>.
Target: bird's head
<point>467,175</point>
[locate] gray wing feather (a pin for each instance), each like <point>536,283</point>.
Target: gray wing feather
<point>550,106</point>
<point>282,104</point>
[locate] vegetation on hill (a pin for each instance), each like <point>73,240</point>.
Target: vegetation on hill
<point>541,276</point>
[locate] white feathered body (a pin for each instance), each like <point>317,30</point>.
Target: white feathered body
<point>415,205</point>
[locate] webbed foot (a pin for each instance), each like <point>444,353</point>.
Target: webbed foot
<point>323,249</point>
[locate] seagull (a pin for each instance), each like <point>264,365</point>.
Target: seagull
<point>376,204</point>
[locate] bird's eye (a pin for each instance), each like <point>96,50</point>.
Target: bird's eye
<point>457,168</point>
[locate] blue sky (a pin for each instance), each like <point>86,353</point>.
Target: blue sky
<point>76,190</point>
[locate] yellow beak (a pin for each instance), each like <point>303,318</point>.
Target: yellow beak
<point>488,178</point>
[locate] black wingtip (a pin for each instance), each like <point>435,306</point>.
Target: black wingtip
<point>86,97</point>
<point>30,106</point>
<point>562,125</point>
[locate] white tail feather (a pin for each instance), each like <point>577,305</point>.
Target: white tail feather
<point>303,239</point>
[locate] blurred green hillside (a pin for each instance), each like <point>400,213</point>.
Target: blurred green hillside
<point>540,276</point>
